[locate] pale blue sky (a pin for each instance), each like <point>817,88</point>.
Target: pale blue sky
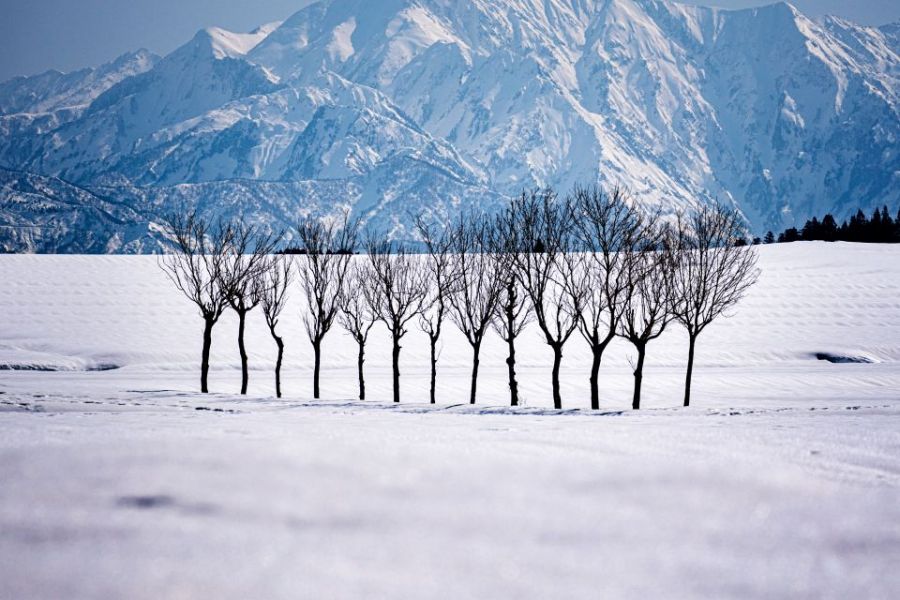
<point>36,35</point>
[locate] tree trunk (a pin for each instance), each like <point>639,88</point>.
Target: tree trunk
<point>511,367</point>
<point>280,343</point>
<point>476,351</point>
<point>360,360</point>
<point>245,375</point>
<point>395,363</point>
<point>557,361</point>
<point>638,376</point>
<point>433,388</point>
<point>597,352</point>
<point>690,370</point>
<point>204,361</point>
<point>317,351</point>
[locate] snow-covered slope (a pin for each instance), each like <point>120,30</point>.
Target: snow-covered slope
<point>812,298</point>
<point>783,115</point>
<point>232,44</point>
<point>52,91</point>
<point>46,214</point>
<point>49,215</point>
<point>781,481</point>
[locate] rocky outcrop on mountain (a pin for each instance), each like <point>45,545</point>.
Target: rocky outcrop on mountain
<point>392,107</point>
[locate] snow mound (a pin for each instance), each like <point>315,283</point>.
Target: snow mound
<point>18,358</point>
<point>845,358</point>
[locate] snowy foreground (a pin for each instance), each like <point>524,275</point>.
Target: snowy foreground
<point>782,481</point>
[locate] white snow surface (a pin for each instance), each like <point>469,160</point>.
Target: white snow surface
<point>232,44</point>
<point>446,103</point>
<point>781,481</point>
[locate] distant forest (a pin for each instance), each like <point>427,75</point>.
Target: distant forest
<point>880,228</point>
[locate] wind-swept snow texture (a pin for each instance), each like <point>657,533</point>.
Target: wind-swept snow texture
<point>782,481</point>
<point>394,106</point>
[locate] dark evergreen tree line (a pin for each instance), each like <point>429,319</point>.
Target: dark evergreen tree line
<point>880,228</point>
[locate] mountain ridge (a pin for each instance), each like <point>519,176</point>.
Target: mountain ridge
<point>782,115</point>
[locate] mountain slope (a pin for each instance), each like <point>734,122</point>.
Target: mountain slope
<point>46,214</point>
<point>763,107</point>
<point>53,90</point>
<point>780,114</point>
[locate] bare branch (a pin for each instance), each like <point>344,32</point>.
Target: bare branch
<point>438,281</point>
<point>197,268</point>
<point>325,254</point>
<point>357,313</point>
<point>398,292</point>
<point>713,269</point>
<point>276,279</point>
<point>477,288</point>
<point>544,239</point>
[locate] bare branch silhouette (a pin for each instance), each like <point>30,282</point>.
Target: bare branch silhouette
<point>476,286</point>
<point>438,282</point>
<point>196,268</point>
<point>277,278</point>
<point>326,252</point>
<point>713,271</point>
<point>545,225</point>
<point>357,312</point>
<point>398,293</point>
<point>514,309</point>
<point>242,271</point>
<point>608,228</point>
<point>646,307</point>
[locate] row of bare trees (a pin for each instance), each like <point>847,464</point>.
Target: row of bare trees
<point>589,264</point>
<point>220,265</point>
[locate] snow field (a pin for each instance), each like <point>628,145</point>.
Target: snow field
<point>144,496</point>
<point>67,312</point>
<point>781,481</point>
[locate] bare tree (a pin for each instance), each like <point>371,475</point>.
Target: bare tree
<point>514,310</point>
<point>609,229</point>
<point>438,282</point>
<point>326,252</point>
<point>357,315</point>
<point>477,288</point>
<point>646,310</point>
<point>276,281</point>
<point>545,226</point>
<point>398,293</point>
<point>713,271</point>
<point>247,257</point>
<point>196,268</point>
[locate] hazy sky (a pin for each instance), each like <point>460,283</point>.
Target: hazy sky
<point>36,35</point>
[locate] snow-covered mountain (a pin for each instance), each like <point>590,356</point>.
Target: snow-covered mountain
<point>390,107</point>
<point>45,215</point>
<point>52,91</point>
